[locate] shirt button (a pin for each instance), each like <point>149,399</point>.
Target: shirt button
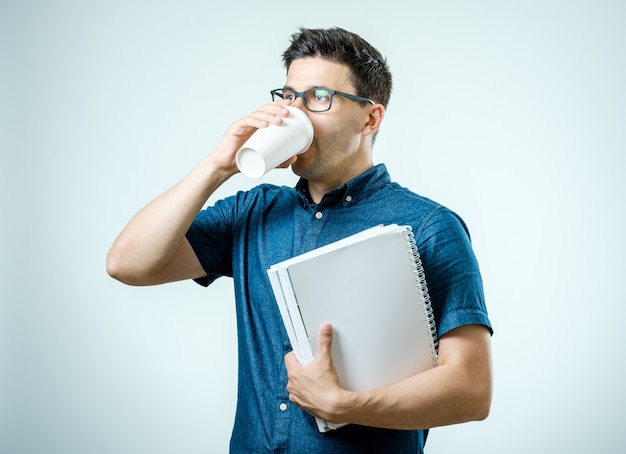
<point>319,215</point>
<point>283,406</point>
<point>349,198</point>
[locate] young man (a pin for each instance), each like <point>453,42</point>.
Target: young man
<point>343,84</point>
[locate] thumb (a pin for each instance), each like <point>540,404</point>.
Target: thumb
<point>325,339</point>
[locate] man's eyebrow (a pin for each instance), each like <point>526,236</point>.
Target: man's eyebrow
<point>312,87</point>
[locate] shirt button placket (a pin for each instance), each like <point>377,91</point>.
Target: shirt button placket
<point>281,429</point>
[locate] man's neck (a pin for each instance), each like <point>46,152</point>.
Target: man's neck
<point>319,188</point>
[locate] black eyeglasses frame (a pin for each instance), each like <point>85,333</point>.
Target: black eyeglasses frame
<point>331,92</point>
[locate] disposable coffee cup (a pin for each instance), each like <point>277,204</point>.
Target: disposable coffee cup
<point>271,146</point>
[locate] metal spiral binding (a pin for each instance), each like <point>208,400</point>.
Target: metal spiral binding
<point>420,279</point>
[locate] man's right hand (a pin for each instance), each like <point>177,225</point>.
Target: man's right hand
<point>270,114</point>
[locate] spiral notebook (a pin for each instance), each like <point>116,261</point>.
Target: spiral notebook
<point>371,287</point>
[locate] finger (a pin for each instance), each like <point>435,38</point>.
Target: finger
<point>270,114</point>
<point>325,339</point>
<point>291,360</point>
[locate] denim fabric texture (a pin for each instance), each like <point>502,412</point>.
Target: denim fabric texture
<point>243,235</point>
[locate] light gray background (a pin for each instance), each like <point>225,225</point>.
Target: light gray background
<point>509,112</point>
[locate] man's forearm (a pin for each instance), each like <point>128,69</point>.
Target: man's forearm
<point>435,398</point>
<point>458,390</point>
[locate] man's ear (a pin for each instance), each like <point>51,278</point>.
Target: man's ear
<point>375,118</point>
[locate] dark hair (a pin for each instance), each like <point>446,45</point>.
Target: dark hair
<point>368,68</point>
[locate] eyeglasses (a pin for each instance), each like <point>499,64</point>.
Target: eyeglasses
<point>315,99</point>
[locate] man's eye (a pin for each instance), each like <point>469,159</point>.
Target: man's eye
<point>321,95</point>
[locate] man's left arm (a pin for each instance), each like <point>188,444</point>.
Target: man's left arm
<point>458,390</point>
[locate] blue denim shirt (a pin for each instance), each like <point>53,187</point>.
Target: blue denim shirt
<point>243,235</point>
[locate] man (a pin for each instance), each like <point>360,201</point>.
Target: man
<point>343,84</point>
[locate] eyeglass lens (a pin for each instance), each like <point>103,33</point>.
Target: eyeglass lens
<point>315,99</point>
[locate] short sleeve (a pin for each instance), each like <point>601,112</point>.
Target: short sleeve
<point>452,272</point>
<point>211,237</point>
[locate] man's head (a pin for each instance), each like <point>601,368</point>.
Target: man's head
<point>369,72</point>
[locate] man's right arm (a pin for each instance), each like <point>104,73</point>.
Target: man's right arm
<point>152,248</point>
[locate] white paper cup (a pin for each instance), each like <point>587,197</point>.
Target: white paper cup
<point>271,146</point>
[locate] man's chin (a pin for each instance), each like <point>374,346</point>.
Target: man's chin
<point>297,167</point>
<point>305,166</point>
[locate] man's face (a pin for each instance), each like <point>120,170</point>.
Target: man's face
<point>338,145</point>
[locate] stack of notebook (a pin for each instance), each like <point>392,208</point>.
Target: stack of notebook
<point>371,287</point>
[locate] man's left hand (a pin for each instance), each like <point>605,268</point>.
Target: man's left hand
<point>315,387</point>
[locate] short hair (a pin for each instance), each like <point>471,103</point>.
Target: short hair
<point>369,71</point>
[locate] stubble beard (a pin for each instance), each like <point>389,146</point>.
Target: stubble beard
<point>322,158</point>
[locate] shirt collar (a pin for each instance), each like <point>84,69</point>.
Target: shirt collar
<point>351,192</point>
